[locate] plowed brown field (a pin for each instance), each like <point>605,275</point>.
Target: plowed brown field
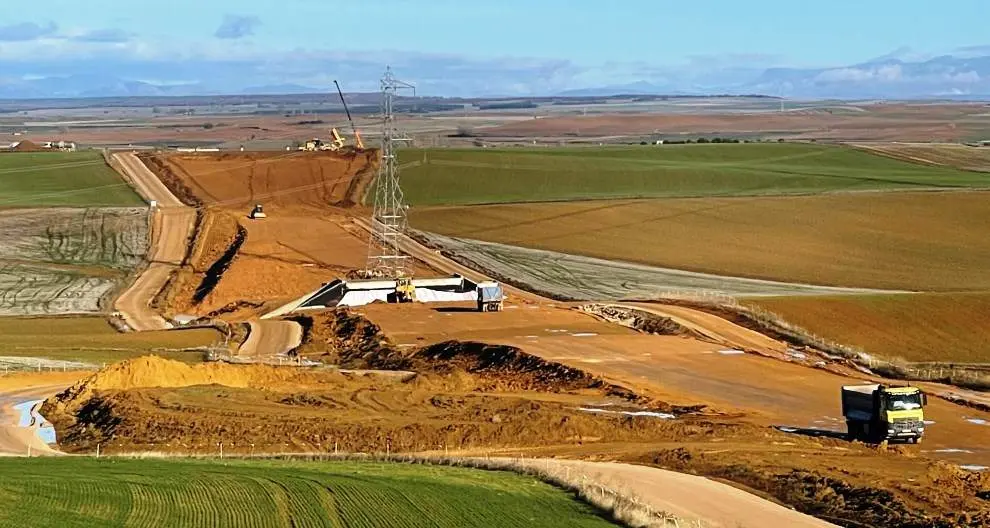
<point>952,155</point>
<point>909,241</point>
<point>930,327</point>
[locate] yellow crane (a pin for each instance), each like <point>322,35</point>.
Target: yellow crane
<point>357,135</point>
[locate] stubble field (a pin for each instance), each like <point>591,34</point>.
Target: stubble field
<point>922,328</point>
<point>905,241</point>
<point>92,340</point>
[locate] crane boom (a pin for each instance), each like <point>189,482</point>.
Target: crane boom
<point>357,135</point>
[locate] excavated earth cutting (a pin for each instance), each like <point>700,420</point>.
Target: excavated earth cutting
<point>669,388</point>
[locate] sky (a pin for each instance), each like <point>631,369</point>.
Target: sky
<point>510,46</point>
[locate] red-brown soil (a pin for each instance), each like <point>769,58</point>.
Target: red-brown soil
<point>307,239</point>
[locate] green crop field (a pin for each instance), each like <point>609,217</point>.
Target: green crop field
<point>62,492</point>
<point>46,179</point>
<point>474,176</point>
<point>93,340</point>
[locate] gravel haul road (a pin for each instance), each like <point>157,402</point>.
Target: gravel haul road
<point>172,228</point>
<point>688,497</point>
<point>270,338</point>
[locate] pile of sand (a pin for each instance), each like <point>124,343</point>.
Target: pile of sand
<point>156,372</point>
<point>27,146</point>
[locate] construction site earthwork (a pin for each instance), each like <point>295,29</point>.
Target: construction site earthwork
<point>374,332</point>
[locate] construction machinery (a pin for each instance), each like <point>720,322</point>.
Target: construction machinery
<point>257,212</point>
<point>877,413</point>
<point>405,290</point>
<point>316,144</point>
<point>490,297</point>
<point>357,135</point>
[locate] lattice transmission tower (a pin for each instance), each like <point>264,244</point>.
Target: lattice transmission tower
<point>385,260</point>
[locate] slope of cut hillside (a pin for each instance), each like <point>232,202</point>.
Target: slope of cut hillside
<point>242,266</point>
<point>276,179</point>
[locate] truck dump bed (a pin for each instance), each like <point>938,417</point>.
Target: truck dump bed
<point>858,401</point>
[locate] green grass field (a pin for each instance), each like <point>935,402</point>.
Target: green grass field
<point>93,340</point>
<point>474,176</point>
<point>49,179</point>
<point>68,492</point>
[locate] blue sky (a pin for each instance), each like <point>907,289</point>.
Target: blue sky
<point>520,46</point>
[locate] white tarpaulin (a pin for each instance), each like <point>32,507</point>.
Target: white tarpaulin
<point>428,295</point>
<point>363,297</point>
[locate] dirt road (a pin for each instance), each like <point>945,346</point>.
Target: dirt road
<point>171,230</point>
<point>687,497</point>
<point>14,439</point>
<point>270,338</point>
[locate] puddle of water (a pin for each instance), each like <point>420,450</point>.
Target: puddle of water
<point>929,422</point>
<point>29,417</point>
<point>731,352</point>
<point>584,334</point>
<point>555,331</point>
<point>787,429</point>
<point>797,355</point>
<point>977,421</point>
<point>953,450</point>
<point>652,414</point>
<point>974,468</point>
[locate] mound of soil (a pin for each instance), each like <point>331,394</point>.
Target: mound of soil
<point>150,403</point>
<point>28,146</point>
<point>645,322</point>
<point>154,371</point>
<point>352,341</point>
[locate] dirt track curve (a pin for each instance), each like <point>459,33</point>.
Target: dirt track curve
<point>270,338</point>
<point>172,227</point>
<point>689,497</point>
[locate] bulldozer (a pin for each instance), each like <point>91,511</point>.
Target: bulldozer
<point>257,212</point>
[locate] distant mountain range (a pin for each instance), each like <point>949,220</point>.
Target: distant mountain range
<point>944,77</point>
<point>888,77</point>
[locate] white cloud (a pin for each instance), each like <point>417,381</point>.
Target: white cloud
<point>237,26</point>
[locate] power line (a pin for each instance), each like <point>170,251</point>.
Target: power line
<point>388,221</point>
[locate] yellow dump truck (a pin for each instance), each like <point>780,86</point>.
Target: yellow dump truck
<point>875,412</point>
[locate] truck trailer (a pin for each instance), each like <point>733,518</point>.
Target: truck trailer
<point>490,297</point>
<point>877,413</point>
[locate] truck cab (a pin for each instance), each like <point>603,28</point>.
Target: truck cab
<point>875,413</point>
